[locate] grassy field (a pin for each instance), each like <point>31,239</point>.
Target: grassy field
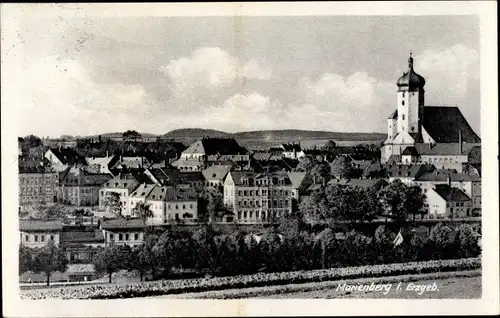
<point>452,285</point>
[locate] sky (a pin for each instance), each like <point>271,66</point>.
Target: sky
<point>92,75</point>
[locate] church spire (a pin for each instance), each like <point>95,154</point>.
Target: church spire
<point>410,62</point>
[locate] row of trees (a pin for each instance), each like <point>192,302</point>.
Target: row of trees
<point>285,248</point>
<point>334,203</point>
<point>207,252</point>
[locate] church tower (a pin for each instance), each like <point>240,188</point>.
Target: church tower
<point>410,108</point>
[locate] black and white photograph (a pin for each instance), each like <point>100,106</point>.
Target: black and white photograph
<point>249,155</point>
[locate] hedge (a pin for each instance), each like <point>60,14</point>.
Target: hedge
<point>165,287</point>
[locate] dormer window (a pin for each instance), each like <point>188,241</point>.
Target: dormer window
<point>403,103</point>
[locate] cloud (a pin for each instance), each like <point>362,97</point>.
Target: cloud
<point>450,70</point>
<point>57,96</point>
<point>213,67</point>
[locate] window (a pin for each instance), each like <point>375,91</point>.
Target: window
<point>403,116</point>
<point>27,238</point>
<point>403,103</point>
<point>183,206</point>
<point>126,237</point>
<point>136,236</point>
<point>403,94</point>
<point>52,237</point>
<point>245,214</point>
<point>42,238</point>
<point>111,236</point>
<point>120,237</point>
<point>191,206</point>
<point>36,238</point>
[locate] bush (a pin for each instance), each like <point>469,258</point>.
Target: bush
<point>146,289</point>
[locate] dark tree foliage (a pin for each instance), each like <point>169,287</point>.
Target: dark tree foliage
<point>49,259</point>
<point>111,259</point>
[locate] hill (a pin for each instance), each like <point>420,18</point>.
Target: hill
<point>308,134</point>
<point>196,133</point>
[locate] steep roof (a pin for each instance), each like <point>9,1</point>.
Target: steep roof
<point>406,171</point>
<point>142,191</point>
<point>86,179</point>
<point>442,175</point>
<point>239,176</point>
<point>297,178</point>
<point>451,194</point>
<point>362,183</point>
<point>121,223</point>
<point>410,151</point>
<point>394,115</point>
<point>157,193</point>
<point>40,225</point>
<point>216,172</point>
<point>261,156</point>
<point>213,146</point>
<point>451,149</point>
<point>443,124</point>
<point>122,182</point>
<point>32,166</point>
<point>73,237</point>
<point>68,156</point>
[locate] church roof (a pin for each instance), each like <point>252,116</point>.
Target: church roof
<point>450,149</point>
<point>411,79</point>
<point>443,123</point>
<point>410,151</point>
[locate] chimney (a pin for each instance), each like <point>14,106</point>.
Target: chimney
<point>324,182</point>
<point>314,179</point>
<point>449,181</point>
<point>459,142</point>
<point>107,154</point>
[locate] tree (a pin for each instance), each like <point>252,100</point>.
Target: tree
<point>131,134</point>
<point>142,258</point>
<point>401,201</point>
<point>49,259</point>
<point>334,203</point>
<point>166,250</point>
<point>341,167</point>
<point>111,259</point>
<point>32,141</point>
<point>25,259</point>
<point>143,211</point>
<point>330,146</point>
<point>113,203</point>
<point>467,242</point>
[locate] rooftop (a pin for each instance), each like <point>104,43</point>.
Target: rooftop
<point>121,223</point>
<point>443,124</point>
<point>450,194</point>
<point>216,172</point>
<point>40,225</point>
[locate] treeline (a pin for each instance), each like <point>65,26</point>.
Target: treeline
<point>289,249</point>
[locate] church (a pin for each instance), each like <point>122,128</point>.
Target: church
<point>419,134</point>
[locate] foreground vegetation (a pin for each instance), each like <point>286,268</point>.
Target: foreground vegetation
<point>164,287</point>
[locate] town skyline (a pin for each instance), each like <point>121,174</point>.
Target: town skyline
<point>154,81</point>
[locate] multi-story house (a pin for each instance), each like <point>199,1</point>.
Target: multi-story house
<point>215,175</point>
<point>197,156</point>
<point>258,197</point>
<point>122,185</point>
<point>37,184</point>
<point>469,184</point>
<point>97,164</point>
<point>168,204</point>
<point>407,173</point>
<point>62,158</point>
<point>81,188</point>
<point>36,233</point>
<point>444,201</point>
<point>81,246</point>
<point>123,231</point>
<point>292,151</point>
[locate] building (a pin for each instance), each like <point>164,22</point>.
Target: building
<point>292,151</point>
<point>62,158</point>
<point>413,124</point>
<point>81,188</point>
<point>131,162</point>
<point>444,201</point>
<point>37,184</point>
<point>197,155</point>
<point>215,175</point>
<point>36,233</point>
<point>101,164</point>
<point>123,185</point>
<point>168,204</point>
<point>258,197</point>
<point>469,184</point>
<point>407,173</point>
<point>81,246</point>
<point>123,231</point>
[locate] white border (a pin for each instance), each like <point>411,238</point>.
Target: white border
<point>489,304</point>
